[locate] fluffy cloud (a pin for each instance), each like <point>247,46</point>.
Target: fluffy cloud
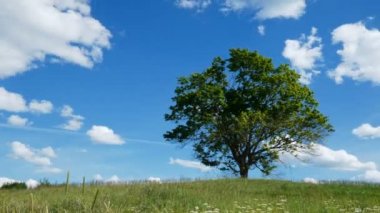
<point>43,107</point>
<point>73,125</point>
<point>104,135</point>
<point>304,54</point>
<point>333,159</point>
<point>34,31</point>
<point>32,184</point>
<point>48,152</point>
<point>74,122</point>
<point>114,179</point>
<point>190,164</point>
<point>98,178</point>
<point>40,158</point>
<point>359,55</point>
<point>10,101</point>
<point>14,102</point>
<point>268,9</point>
<point>154,180</point>
<point>367,131</point>
<point>369,176</point>
<point>198,5</point>
<point>261,30</point>
<point>310,180</point>
<point>67,111</point>
<point>16,120</point>
<point>21,151</point>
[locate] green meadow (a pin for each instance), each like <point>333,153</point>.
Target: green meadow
<point>225,195</point>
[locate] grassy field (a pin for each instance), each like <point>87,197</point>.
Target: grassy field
<point>197,196</point>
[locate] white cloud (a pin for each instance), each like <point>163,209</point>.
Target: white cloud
<point>113,179</point>
<point>67,111</point>
<point>43,107</point>
<point>261,30</point>
<point>40,158</point>
<point>303,54</point>
<point>14,102</point>
<point>22,151</point>
<point>198,5</point>
<point>98,178</point>
<point>32,184</point>
<point>75,122</point>
<point>369,176</point>
<point>62,30</point>
<point>268,9</point>
<point>48,152</point>
<point>367,131</point>
<point>323,156</point>
<point>190,164</point>
<point>16,120</point>
<point>10,101</point>
<point>310,180</point>
<point>104,135</point>
<point>76,5</point>
<point>73,125</point>
<point>154,179</point>
<point>359,55</point>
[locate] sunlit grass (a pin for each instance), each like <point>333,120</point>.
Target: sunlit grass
<point>196,197</point>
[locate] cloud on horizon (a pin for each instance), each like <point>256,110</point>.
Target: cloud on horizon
<point>325,157</point>
<point>372,176</point>
<point>30,183</point>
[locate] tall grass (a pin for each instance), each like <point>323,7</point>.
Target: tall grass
<point>83,184</point>
<point>67,182</point>
<point>197,196</point>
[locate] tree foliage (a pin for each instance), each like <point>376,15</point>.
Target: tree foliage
<point>14,186</point>
<point>242,113</point>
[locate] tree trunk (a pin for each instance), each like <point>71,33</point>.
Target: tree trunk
<point>243,172</point>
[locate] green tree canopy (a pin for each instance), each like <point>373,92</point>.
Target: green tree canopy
<point>242,113</point>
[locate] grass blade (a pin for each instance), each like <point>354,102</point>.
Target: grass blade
<point>94,201</point>
<point>67,182</point>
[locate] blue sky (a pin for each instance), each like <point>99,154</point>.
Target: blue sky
<point>84,84</point>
